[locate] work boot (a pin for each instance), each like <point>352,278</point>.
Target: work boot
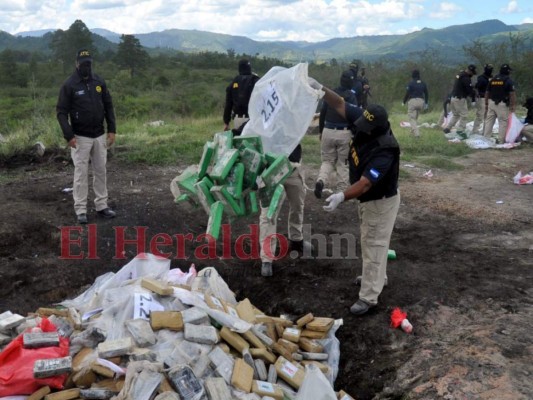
<point>361,307</point>
<point>446,130</point>
<point>301,246</point>
<point>266,269</point>
<point>106,213</point>
<point>360,278</point>
<point>82,219</point>
<point>319,186</point>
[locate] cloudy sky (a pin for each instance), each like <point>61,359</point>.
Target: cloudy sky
<point>310,20</point>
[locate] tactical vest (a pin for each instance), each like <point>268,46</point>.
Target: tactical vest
<point>241,91</point>
<point>498,90</point>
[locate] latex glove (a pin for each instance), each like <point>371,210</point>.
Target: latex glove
<point>333,201</point>
<point>403,104</point>
<point>426,106</point>
<point>473,104</point>
<point>314,83</point>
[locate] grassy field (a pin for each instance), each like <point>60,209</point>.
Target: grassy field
<point>180,141</point>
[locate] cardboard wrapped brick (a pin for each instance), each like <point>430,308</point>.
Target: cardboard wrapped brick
<point>242,376</point>
<point>171,320</point>
<point>290,372</point>
<point>263,388</point>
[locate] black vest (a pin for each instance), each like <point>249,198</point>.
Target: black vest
<point>498,90</point>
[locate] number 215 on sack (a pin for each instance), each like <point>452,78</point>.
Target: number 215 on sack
<point>271,104</point>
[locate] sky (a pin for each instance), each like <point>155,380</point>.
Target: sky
<point>308,20</point>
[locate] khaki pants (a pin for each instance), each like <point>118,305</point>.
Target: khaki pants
<point>459,111</point>
<point>480,115</point>
<point>334,148</point>
<point>414,108</point>
<point>295,189</point>
<point>95,151</point>
<point>527,131</point>
<point>377,221</point>
<point>495,111</point>
<point>238,121</point>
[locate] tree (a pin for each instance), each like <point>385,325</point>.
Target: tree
<point>131,54</point>
<point>8,67</point>
<point>65,44</point>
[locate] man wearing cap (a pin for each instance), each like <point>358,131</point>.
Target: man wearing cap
<point>481,88</point>
<point>335,138</point>
<point>417,98</point>
<point>374,162</point>
<point>462,89</point>
<point>84,103</point>
<point>238,95</point>
<point>499,102</point>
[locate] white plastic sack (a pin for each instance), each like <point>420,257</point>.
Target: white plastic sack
<point>333,348</point>
<point>479,142</point>
<point>281,108</point>
<point>315,386</point>
<point>514,127</point>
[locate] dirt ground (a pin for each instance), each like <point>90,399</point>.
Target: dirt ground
<point>463,273</point>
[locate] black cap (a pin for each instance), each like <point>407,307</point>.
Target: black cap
<point>505,69</point>
<point>415,74</point>
<point>83,55</point>
<point>245,68</point>
<point>375,116</point>
<point>472,68</point>
<point>347,79</point>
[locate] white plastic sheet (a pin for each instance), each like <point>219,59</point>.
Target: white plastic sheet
<point>315,386</point>
<point>514,127</point>
<point>281,108</point>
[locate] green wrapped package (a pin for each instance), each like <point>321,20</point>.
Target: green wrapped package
<point>224,164</point>
<point>187,179</point>
<point>231,205</point>
<point>215,219</point>
<point>253,163</point>
<point>207,158</point>
<point>391,254</point>
<point>251,203</point>
<point>275,204</point>
<point>234,181</point>
<point>276,173</point>
<point>250,142</point>
<point>270,158</point>
<point>223,142</point>
<point>205,198</point>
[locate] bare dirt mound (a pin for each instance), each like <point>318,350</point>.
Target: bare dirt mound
<point>464,270</point>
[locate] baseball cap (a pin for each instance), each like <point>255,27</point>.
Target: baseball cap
<point>375,116</point>
<point>505,69</point>
<point>245,68</point>
<point>83,55</point>
<point>347,79</point>
<point>472,68</point>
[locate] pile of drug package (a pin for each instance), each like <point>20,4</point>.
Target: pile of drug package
<point>149,331</point>
<point>234,177</point>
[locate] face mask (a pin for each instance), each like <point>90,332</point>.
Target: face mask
<point>85,69</point>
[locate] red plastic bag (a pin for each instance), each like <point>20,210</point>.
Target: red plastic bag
<point>16,365</point>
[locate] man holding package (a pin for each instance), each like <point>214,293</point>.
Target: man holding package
<point>374,162</point>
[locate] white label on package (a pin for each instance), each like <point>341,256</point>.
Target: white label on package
<point>289,369</point>
<point>217,302</point>
<point>345,397</point>
<point>144,304</point>
<point>265,386</point>
<point>233,312</point>
<point>271,104</point>
<point>292,331</point>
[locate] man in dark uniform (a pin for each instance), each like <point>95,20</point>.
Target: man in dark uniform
<point>335,138</point>
<point>374,170</point>
<point>366,88</point>
<point>500,101</point>
<point>417,98</point>
<point>462,89</point>
<point>357,83</point>
<point>481,88</point>
<point>238,95</point>
<point>83,104</point>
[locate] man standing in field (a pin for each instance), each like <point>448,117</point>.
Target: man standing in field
<point>416,97</point>
<point>481,88</point>
<point>462,89</point>
<point>500,101</point>
<point>238,95</point>
<point>83,104</point>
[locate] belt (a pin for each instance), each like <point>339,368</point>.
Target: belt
<point>330,125</point>
<point>457,97</point>
<point>241,116</point>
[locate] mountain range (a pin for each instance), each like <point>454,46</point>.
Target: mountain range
<point>448,42</point>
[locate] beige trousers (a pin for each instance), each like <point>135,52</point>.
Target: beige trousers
<point>495,111</point>
<point>414,108</point>
<point>334,148</point>
<point>295,190</point>
<point>377,221</point>
<point>480,115</point>
<point>95,151</point>
<point>459,111</point>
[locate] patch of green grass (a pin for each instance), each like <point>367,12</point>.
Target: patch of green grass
<point>311,150</point>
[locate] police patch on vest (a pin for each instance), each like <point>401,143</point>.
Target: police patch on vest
<point>80,92</point>
<point>374,173</point>
<point>98,88</point>
<point>235,85</point>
